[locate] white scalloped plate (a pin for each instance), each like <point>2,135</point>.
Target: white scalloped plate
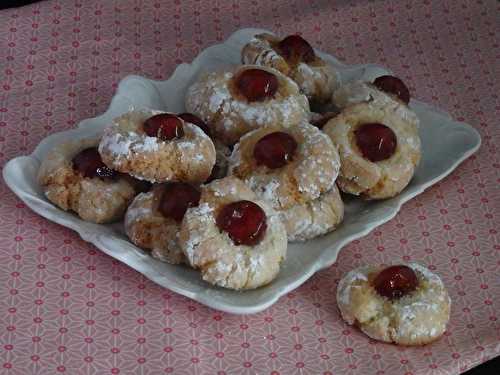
<point>446,143</point>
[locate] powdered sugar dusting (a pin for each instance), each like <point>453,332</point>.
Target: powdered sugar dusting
<point>316,172</point>
<point>416,318</point>
<point>200,213</point>
<point>315,167</point>
<point>212,250</point>
<point>315,218</point>
<point>359,91</point>
<point>316,81</point>
<point>256,113</point>
<point>354,92</point>
<point>262,53</point>
<point>309,78</point>
<point>211,98</point>
<point>353,277</point>
<point>148,144</point>
<point>266,187</point>
<point>136,214</point>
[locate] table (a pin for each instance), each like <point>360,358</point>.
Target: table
<point>67,308</point>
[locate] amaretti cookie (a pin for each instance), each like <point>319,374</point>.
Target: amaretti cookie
<point>249,97</point>
<point>73,177</point>
<point>294,169</point>
<point>236,240</point>
<point>153,220</point>
<point>384,89</point>
<point>157,147</point>
<point>294,57</point>
<point>379,150</point>
<point>403,304</point>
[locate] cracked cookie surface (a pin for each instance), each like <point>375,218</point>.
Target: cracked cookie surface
<point>303,190</point>
<point>361,176</point>
<point>127,148</point>
<point>214,99</point>
<point>213,252</point>
<point>94,199</point>
<point>316,78</point>
<point>417,318</point>
<point>314,218</point>
<point>147,228</point>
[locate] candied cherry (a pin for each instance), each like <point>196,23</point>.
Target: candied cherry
<point>189,117</point>
<point>395,282</point>
<point>244,222</point>
<point>256,85</point>
<point>393,85</point>
<point>275,150</point>
<point>89,163</point>
<point>176,198</point>
<point>376,141</point>
<point>295,48</point>
<point>164,126</point>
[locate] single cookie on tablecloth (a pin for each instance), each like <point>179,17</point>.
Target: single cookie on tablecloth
<point>153,220</point>
<point>157,147</point>
<point>294,169</point>
<point>236,240</point>
<point>73,177</point>
<point>294,57</point>
<point>403,304</point>
<point>379,150</point>
<point>249,97</point>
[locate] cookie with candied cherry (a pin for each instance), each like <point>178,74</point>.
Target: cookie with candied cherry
<point>237,101</point>
<point>404,304</point>
<point>385,88</point>
<point>74,177</point>
<point>236,240</point>
<point>379,150</point>
<point>294,169</point>
<point>157,147</point>
<point>294,57</point>
<point>153,220</point>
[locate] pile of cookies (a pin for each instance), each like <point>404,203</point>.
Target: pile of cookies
<point>248,167</point>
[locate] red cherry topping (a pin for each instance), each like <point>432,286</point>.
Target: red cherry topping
<point>189,117</point>
<point>89,163</point>
<point>177,197</point>
<point>164,126</point>
<point>295,48</point>
<point>275,150</point>
<point>376,141</point>
<point>393,85</point>
<point>395,282</point>
<point>256,85</point>
<point>244,222</point>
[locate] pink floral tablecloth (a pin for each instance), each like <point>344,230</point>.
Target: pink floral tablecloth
<point>67,308</point>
